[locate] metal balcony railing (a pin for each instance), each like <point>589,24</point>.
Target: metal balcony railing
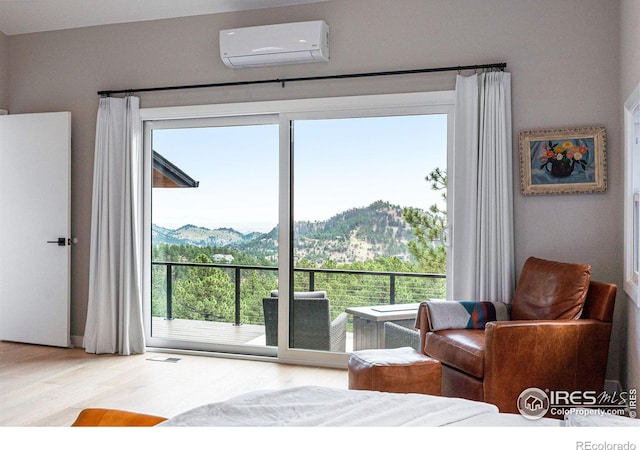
<point>308,279</point>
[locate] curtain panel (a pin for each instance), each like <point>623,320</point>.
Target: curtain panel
<point>482,259</point>
<point>114,314</point>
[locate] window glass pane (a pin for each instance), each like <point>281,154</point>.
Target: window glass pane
<point>369,202</point>
<point>214,218</point>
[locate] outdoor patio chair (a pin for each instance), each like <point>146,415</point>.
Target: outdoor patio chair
<point>397,336</point>
<point>312,325</point>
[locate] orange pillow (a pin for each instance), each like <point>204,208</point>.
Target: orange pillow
<point>99,417</point>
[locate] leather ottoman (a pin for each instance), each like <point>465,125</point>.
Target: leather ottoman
<point>401,370</point>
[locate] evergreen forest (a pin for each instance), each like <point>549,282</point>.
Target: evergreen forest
<point>222,275</point>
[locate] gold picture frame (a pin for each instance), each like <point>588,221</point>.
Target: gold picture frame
<point>564,161</point>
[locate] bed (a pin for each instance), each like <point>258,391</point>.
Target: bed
<point>316,406</point>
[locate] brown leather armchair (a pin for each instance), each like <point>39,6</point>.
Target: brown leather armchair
<point>557,339</point>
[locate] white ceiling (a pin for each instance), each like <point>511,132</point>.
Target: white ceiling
<point>28,16</point>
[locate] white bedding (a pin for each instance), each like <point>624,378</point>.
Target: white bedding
<point>319,406</point>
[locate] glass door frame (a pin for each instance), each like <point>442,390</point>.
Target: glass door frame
<point>338,108</point>
<point>632,195</point>
<point>287,111</point>
<point>150,125</point>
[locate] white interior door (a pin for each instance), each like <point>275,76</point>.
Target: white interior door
<point>35,228</point>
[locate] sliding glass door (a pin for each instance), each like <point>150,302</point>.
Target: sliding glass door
<point>369,207</point>
<point>295,229</point>
<point>214,217</point>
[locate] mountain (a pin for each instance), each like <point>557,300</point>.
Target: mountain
<point>357,234</point>
<point>200,236</point>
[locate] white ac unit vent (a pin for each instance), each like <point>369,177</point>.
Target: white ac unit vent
<point>270,45</point>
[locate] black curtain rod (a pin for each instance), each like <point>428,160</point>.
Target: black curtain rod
<point>283,81</point>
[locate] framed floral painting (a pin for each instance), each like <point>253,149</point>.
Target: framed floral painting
<point>568,161</point>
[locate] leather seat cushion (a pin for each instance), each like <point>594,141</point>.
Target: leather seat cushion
<point>550,290</point>
<point>461,349</point>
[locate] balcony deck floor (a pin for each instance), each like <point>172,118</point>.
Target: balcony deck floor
<point>214,332</point>
<point>206,331</point>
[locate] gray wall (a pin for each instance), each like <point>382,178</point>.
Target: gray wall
<point>629,79</point>
<point>563,54</point>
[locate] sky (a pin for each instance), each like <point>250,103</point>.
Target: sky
<point>338,164</point>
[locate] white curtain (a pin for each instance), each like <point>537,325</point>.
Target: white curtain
<point>482,261</point>
<point>114,315</point>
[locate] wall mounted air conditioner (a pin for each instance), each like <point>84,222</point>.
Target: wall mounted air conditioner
<point>270,45</point>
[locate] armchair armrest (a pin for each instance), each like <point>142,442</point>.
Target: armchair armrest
<point>422,324</point>
<point>546,354</point>
<point>338,333</point>
<point>398,336</point>
<point>448,314</point>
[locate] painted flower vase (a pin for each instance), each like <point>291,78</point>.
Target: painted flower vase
<point>560,168</point>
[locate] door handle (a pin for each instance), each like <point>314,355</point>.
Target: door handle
<point>61,242</point>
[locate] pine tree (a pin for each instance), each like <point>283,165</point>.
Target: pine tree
<point>205,293</point>
<point>428,227</point>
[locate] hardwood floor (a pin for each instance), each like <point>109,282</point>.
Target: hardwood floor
<point>48,387</point>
